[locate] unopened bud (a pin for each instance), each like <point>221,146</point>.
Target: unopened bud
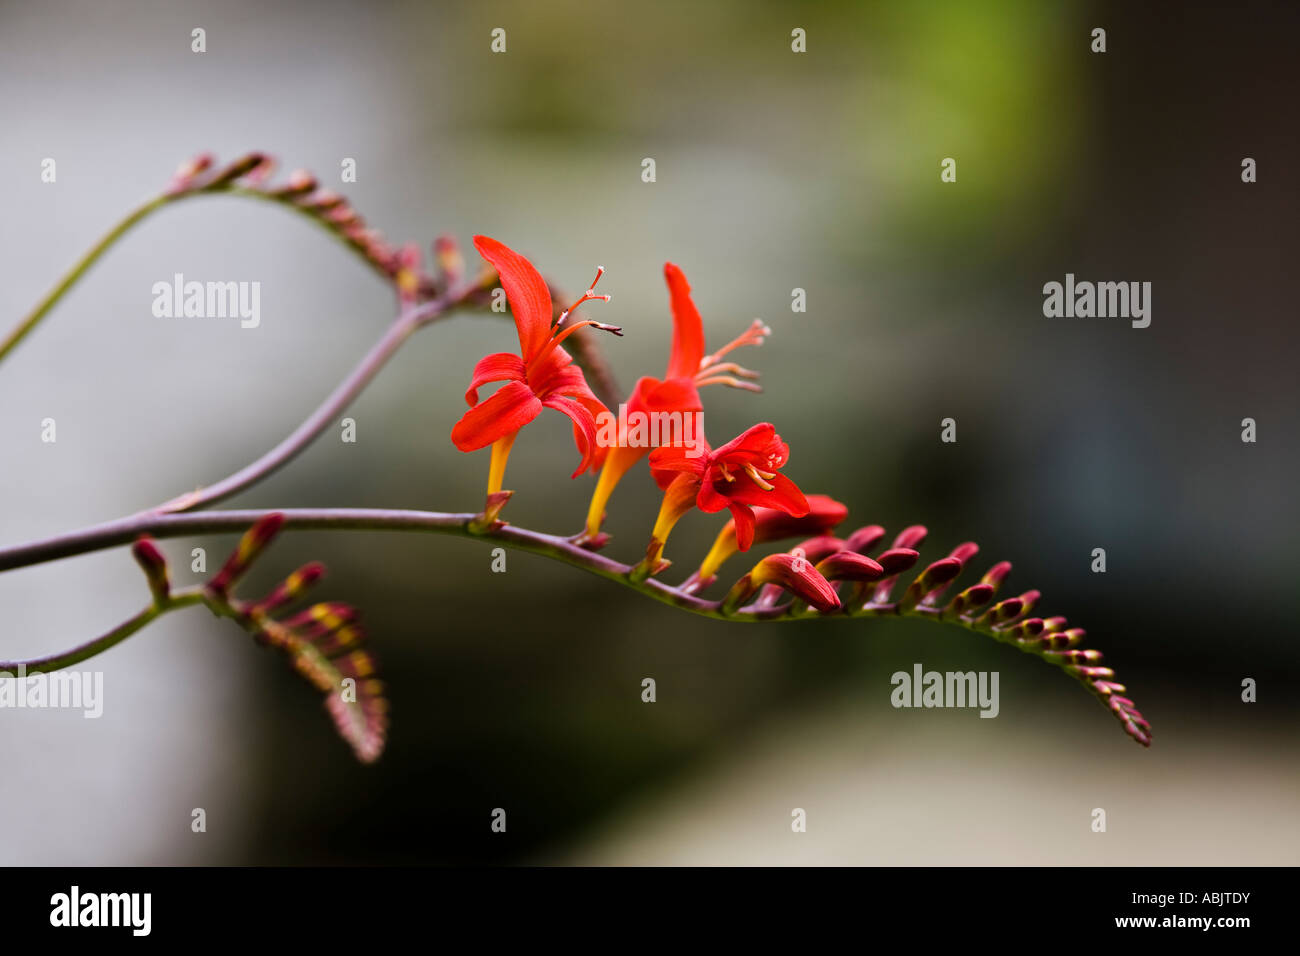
<point>154,566</point>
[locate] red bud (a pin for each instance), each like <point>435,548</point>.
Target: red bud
<point>864,539</point>
<point>154,565</point>
<point>250,546</point>
<point>849,566</point>
<point>793,573</point>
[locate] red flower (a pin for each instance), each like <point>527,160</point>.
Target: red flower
<point>677,393</point>
<point>541,376</point>
<point>739,476</point>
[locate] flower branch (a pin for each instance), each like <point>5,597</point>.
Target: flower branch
<point>1007,621</point>
<point>824,577</point>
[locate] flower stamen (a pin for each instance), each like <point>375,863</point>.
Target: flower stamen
<point>730,381</point>
<point>759,476</point>
<point>754,335</point>
<point>588,296</point>
<point>565,333</point>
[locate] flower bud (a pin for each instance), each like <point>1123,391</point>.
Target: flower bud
<point>250,547</point>
<point>930,581</point>
<point>772,524</point>
<point>154,565</point>
<point>791,572</point>
<point>911,537</point>
<point>849,566</point>
<point>256,166</point>
<point>290,588</point>
<point>451,263</point>
<point>864,539</point>
<point>188,172</point>
<point>975,596</point>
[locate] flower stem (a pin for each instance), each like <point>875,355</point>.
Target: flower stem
<point>339,399</point>
<point>125,530</point>
<point>92,255</point>
<point>110,238</point>
<point>100,644</point>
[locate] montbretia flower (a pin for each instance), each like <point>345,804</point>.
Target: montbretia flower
<point>741,475</point>
<point>677,394</point>
<point>541,376</point>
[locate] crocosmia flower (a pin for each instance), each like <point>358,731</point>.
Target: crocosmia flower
<point>541,376</point>
<point>739,476</point>
<point>676,397</point>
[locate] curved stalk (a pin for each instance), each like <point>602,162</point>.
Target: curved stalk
<point>124,531</point>
<point>82,265</point>
<point>110,238</point>
<point>339,399</point>
<point>100,644</point>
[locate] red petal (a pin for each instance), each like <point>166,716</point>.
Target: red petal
<point>688,329</point>
<point>744,520</point>
<point>506,411</point>
<point>674,395</point>
<point>668,462</point>
<point>584,429</point>
<point>564,380</point>
<point>541,373</point>
<point>526,291</point>
<point>711,499</point>
<point>753,441</point>
<point>568,383</point>
<point>498,367</point>
<point>784,496</point>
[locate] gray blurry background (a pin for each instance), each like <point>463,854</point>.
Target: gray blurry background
<point>775,171</point>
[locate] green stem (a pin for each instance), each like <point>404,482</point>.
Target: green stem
<point>109,239</point>
<point>77,271</point>
<point>100,644</point>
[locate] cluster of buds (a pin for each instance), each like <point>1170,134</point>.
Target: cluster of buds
<point>322,642</point>
<point>830,575</point>
<point>403,265</point>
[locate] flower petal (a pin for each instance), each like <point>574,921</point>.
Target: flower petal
<point>752,442</point>
<point>784,496</point>
<point>550,368</point>
<point>668,462</point>
<point>688,328</point>
<point>744,519</point>
<point>584,430</point>
<point>566,379</point>
<point>673,395</point>
<point>507,410</point>
<point>526,291</point>
<point>498,367</point>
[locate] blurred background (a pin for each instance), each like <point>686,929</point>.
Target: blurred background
<point>775,171</point>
